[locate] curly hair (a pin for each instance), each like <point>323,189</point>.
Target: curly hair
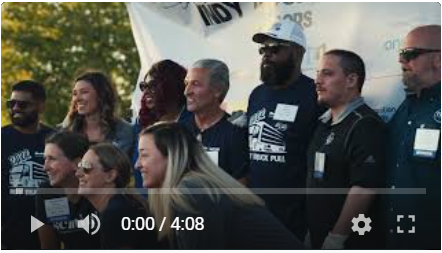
<point>168,81</point>
<point>107,102</point>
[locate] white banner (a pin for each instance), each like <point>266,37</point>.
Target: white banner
<point>187,32</point>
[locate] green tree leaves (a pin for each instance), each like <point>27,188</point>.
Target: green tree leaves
<point>53,42</point>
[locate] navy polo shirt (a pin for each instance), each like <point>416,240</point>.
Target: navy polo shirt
<point>406,169</point>
<point>281,123</point>
<point>226,141</point>
<point>353,148</point>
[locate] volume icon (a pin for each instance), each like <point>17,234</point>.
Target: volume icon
<point>90,223</point>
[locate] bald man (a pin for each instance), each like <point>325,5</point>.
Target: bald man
<point>414,146</point>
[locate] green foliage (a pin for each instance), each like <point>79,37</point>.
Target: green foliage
<point>53,42</point>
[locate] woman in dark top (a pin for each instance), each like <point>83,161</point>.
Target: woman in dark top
<point>104,173</point>
<point>162,99</point>
<point>61,209</point>
<point>185,186</point>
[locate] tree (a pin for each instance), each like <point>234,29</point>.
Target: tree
<point>53,42</point>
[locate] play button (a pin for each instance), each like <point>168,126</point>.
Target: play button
<point>35,224</point>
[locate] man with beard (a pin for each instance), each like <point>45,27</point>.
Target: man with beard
<point>282,114</point>
<point>414,146</point>
<point>23,144</point>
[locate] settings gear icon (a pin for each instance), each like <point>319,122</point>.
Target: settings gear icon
<point>365,228</point>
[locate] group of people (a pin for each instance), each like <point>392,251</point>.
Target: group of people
<point>306,159</point>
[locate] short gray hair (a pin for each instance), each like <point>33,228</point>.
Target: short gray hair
<point>218,74</point>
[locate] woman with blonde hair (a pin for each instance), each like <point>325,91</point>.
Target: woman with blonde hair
<point>104,173</point>
<point>201,205</point>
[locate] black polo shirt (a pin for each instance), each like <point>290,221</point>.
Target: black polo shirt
<point>353,147</point>
<point>226,143</point>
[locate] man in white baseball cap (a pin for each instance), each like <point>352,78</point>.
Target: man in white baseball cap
<point>282,114</point>
<point>284,45</point>
<point>284,30</point>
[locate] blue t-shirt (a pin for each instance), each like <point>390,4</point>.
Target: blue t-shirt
<point>22,173</point>
<point>281,123</point>
<point>225,143</point>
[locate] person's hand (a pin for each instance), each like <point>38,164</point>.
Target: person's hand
<point>334,241</point>
<point>308,241</point>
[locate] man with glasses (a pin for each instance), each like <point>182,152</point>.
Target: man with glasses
<point>282,114</point>
<point>22,163</point>
<point>414,146</point>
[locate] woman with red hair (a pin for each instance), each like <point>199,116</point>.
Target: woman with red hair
<point>163,99</point>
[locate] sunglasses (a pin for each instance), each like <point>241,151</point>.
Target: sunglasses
<point>409,54</point>
<point>19,103</point>
<point>273,48</point>
<point>85,167</point>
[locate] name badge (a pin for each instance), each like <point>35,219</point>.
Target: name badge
<point>286,112</point>
<point>426,142</point>
<point>319,165</point>
<point>57,209</point>
<point>214,155</point>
